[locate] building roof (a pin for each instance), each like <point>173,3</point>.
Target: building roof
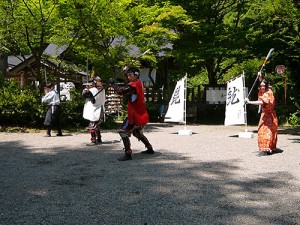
<point>54,50</point>
<point>17,64</point>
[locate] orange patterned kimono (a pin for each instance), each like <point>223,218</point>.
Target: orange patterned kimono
<point>268,123</point>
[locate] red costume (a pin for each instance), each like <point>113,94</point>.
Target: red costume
<point>137,117</point>
<point>137,112</point>
<point>268,123</point>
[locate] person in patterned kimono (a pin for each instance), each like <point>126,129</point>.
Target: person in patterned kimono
<point>268,123</point>
<point>137,115</point>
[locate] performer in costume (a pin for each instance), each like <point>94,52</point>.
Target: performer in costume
<point>94,109</point>
<point>268,123</point>
<point>260,92</point>
<point>137,113</point>
<point>53,113</point>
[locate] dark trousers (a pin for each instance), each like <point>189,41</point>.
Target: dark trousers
<point>136,131</point>
<point>52,119</point>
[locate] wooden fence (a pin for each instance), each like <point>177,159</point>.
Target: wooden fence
<point>157,101</point>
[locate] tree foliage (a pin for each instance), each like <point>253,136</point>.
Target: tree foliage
<point>212,39</point>
<point>111,32</point>
<point>26,28</point>
<point>22,108</point>
<point>228,33</point>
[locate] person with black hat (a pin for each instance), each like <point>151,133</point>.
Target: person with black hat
<point>94,110</point>
<point>53,113</point>
<point>137,117</point>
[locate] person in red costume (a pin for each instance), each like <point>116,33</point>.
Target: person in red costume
<point>268,123</point>
<point>137,117</point>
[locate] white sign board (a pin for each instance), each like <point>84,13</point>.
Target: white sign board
<point>216,95</point>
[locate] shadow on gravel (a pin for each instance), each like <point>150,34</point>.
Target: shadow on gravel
<point>89,186</point>
<point>284,131</point>
<point>234,136</point>
<point>278,151</point>
<point>295,140</point>
<point>290,131</point>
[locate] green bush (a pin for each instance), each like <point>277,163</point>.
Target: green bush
<point>153,111</point>
<point>23,108</point>
<point>72,111</point>
<point>20,107</point>
<point>294,118</point>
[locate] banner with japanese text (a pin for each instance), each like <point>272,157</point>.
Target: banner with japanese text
<point>235,110</point>
<point>176,108</point>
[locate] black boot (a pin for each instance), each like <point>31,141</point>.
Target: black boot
<point>148,151</point>
<point>147,145</point>
<point>99,139</point>
<point>93,138</point>
<point>127,148</point>
<point>59,133</point>
<point>48,132</point>
<point>127,156</point>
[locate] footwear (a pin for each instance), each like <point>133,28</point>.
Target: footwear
<point>148,151</point>
<point>93,143</point>
<point>59,134</point>
<point>47,135</point>
<point>99,140</point>
<point>270,152</point>
<point>125,157</point>
<point>259,154</point>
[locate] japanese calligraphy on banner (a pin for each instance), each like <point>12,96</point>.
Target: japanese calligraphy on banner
<point>175,111</point>
<point>235,110</point>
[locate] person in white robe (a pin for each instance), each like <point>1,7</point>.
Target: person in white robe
<point>53,113</point>
<point>94,110</point>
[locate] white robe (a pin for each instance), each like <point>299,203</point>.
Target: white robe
<point>92,111</point>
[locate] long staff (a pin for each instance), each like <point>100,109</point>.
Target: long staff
<point>111,80</point>
<point>259,73</point>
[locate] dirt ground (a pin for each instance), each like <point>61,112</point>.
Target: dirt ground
<point>209,177</point>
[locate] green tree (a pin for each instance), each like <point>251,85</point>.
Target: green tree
<point>228,33</point>
<point>156,28</point>
<point>26,28</point>
<point>215,41</point>
<point>275,24</point>
<point>112,31</point>
<point>98,24</point>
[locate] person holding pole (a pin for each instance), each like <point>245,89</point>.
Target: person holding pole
<point>94,110</point>
<point>268,123</point>
<point>137,116</point>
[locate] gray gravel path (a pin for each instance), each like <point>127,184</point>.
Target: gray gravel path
<point>210,177</point>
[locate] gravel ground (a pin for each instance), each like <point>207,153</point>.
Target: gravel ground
<point>209,177</point>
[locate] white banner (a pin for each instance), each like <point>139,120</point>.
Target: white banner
<point>235,111</point>
<point>176,109</point>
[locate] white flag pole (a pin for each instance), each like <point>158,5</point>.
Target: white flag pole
<point>245,109</point>
<point>245,134</point>
<point>185,96</point>
<point>185,131</point>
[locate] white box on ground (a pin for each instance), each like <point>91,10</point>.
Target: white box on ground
<point>246,135</point>
<point>185,132</point>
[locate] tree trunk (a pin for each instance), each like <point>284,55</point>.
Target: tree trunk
<point>210,67</point>
<point>3,64</point>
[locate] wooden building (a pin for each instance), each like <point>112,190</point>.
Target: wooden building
<point>28,70</point>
